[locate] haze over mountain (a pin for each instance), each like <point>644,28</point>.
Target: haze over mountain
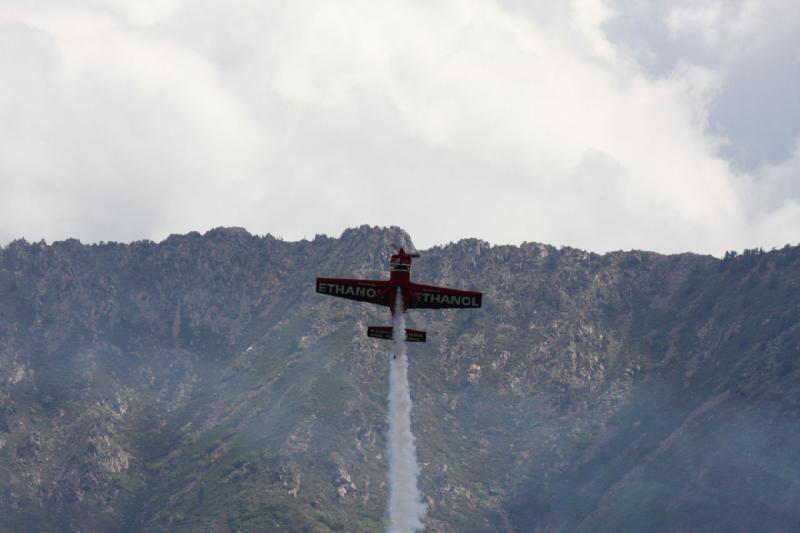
<point>199,384</point>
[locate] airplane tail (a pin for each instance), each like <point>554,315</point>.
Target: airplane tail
<point>385,332</point>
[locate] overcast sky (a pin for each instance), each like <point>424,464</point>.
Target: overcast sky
<point>600,124</point>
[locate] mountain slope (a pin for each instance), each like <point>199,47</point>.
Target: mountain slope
<point>199,384</point>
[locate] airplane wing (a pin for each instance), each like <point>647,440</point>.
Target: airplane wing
<point>361,290</point>
<point>432,297</point>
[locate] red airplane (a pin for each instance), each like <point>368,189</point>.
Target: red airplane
<point>415,295</point>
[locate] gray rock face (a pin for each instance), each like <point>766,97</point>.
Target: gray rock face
<point>199,384</point>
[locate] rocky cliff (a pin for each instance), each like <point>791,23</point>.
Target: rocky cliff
<point>200,384</point>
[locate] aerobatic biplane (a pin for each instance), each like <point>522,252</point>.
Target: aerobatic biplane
<point>413,295</point>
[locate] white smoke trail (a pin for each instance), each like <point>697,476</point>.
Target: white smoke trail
<point>406,510</point>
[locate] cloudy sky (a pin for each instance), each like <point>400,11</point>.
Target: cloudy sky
<point>599,124</point>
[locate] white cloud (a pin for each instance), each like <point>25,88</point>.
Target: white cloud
<point>450,119</point>
<point>142,12</point>
<point>715,20</point>
<point>751,45</point>
<point>702,19</point>
<point>115,135</point>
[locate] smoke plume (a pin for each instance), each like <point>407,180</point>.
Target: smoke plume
<point>406,510</point>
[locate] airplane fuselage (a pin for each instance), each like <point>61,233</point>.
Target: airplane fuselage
<point>400,279</point>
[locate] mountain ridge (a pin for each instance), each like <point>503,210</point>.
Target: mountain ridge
<point>199,384</point>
